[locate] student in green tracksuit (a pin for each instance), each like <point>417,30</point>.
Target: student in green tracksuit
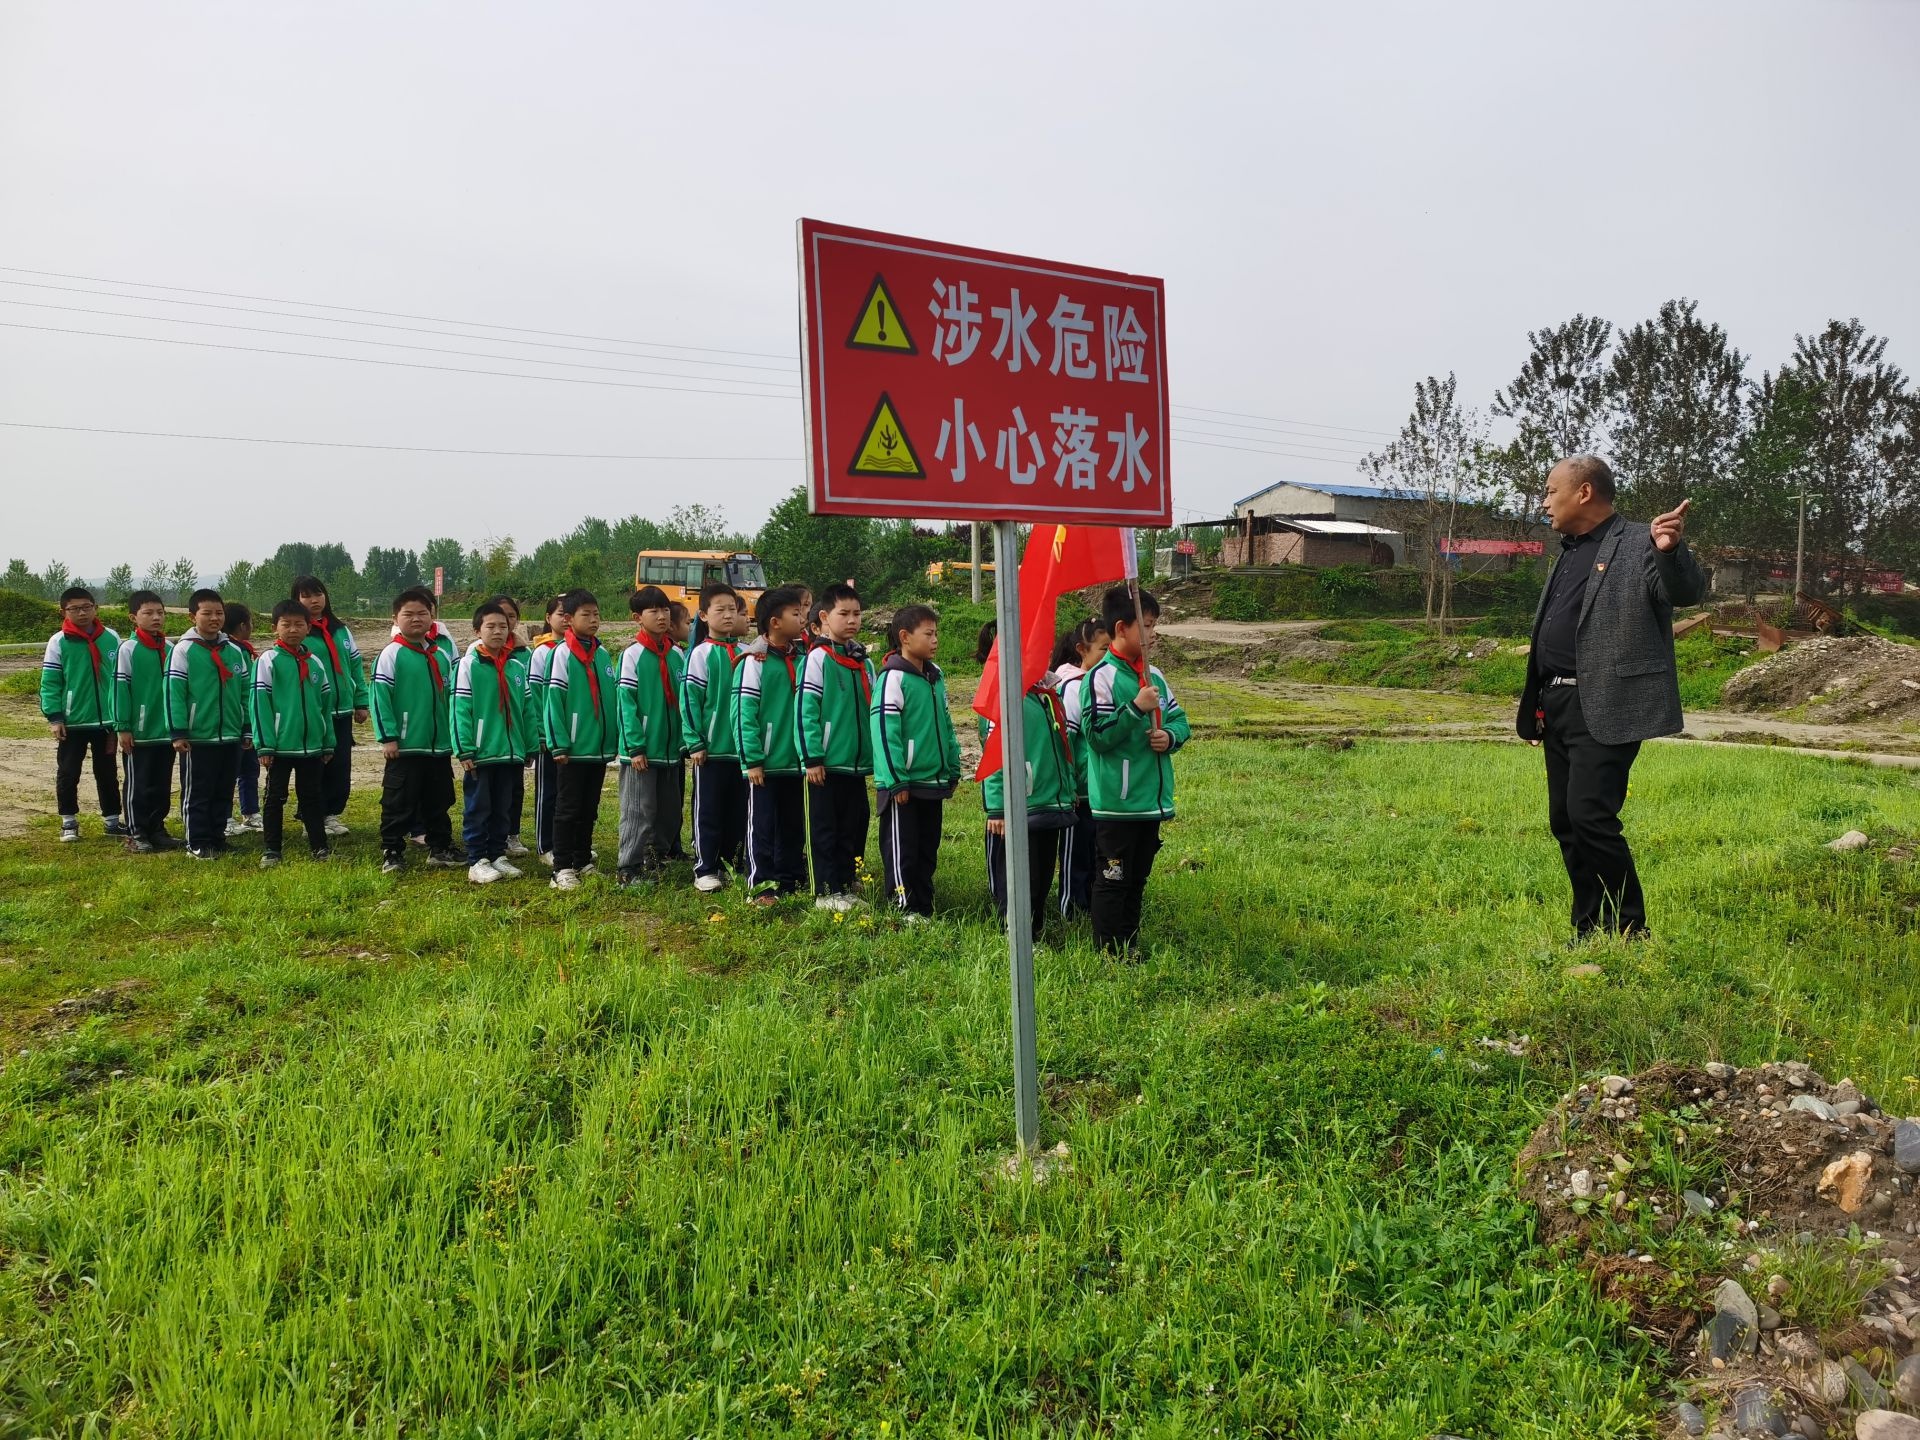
<point>412,697</point>
<point>1052,778</point>
<point>766,709</point>
<point>1133,724</point>
<point>209,680</point>
<point>713,748</point>
<point>490,739</point>
<point>293,729</point>
<point>330,640</point>
<point>140,710</point>
<point>836,746</point>
<point>582,732</point>
<point>916,759</point>
<point>519,666</point>
<point>76,696</point>
<point>651,672</point>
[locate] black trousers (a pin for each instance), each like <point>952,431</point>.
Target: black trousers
<point>838,814</point>
<point>676,849</point>
<point>910,851</point>
<point>1077,847</point>
<point>1126,849</point>
<point>777,834</point>
<point>307,775</point>
<point>207,775</point>
<point>1043,849</point>
<point>546,791</point>
<point>71,754</point>
<point>576,810</point>
<point>338,772</point>
<point>517,803</point>
<point>148,774</point>
<point>416,798</point>
<point>1586,786</point>
<point>719,815</point>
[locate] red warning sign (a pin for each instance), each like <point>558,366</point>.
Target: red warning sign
<point>953,383</point>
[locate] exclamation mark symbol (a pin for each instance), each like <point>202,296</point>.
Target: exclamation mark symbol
<point>881,306</point>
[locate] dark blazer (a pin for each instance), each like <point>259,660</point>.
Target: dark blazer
<point>1623,640</point>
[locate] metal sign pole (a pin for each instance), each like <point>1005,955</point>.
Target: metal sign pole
<point>1013,772</point>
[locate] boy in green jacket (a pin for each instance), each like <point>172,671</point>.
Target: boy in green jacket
<point>916,760</point>
<point>76,696</point>
<point>836,746</point>
<point>413,721</point>
<point>651,672</point>
<point>209,680</point>
<point>713,748</point>
<point>1052,781</point>
<point>293,730</point>
<point>766,712</point>
<point>582,731</point>
<point>491,742</point>
<point>1132,725</point>
<point>140,710</point>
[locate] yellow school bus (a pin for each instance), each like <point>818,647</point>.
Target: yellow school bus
<point>681,573</point>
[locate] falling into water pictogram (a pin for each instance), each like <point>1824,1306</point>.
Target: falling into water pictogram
<point>885,449</point>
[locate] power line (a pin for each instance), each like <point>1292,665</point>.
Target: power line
<point>406,449</point>
<point>403,364</point>
<point>1385,434</point>
<point>1333,442</point>
<point>402,345</point>
<point>1245,449</point>
<point>369,324</point>
<point>1341,449</point>
<point>394,314</point>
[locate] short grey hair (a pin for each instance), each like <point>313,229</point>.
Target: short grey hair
<point>1592,470</point>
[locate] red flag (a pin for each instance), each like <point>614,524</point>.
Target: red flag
<point>1059,559</point>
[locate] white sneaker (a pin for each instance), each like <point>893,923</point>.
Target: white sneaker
<point>504,870</point>
<point>589,869</point>
<point>564,880</point>
<point>69,829</point>
<point>481,872</point>
<point>236,826</point>
<point>546,858</point>
<point>336,826</point>
<point>707,884</point>
<point>253,823</point>
<point>514,847</point>
<point>826,902</point>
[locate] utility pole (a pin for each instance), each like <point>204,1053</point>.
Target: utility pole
<point>1800,550</point>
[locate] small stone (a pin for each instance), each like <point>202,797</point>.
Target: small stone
<point>1753,1409</point>
<point>1690,1417</point>
<point>1886,1425</point>
<point>1727,1336</point>
<point>1813,1106</point>
<point>1830,1383</point>
<point>1584,972</point>
<point>1776,1286</point>
<point>1845,1181</point>
<point>1906,1382</point>
<point>1769,1318</point>
<point>1906,1146</point>
<point>1580,1185</point>
<point>1808,1426</point>
<point>1881,1203</point>
<point>1731,1297</point>
<point>1868,1393</point>
<point>1697,1204</point>
<point>1719,1070</point>
<point>1846,1109</point>
<point>1852,840</point>
<point>1614,1086</point>
<point>1798,1349</point>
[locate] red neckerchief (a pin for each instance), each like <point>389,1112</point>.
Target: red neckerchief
<point>858,667</point>
<point>1139,670</point>
<point>252,654</point>
<point>584,654</point>
<point>325,627</point>
<point>299,653</point>
<point>499,663</point>
<point>432,654</point>
<point>91,639</point>
<point>213,654</point>
<point>786,655</point>
<point>155,643</point>
<point>659,653</point>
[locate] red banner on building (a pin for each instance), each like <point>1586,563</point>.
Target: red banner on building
<point>1457,546</point>
<point>947,382</point>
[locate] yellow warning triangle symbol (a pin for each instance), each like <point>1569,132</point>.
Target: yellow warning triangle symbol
<point>885,451</point>
<point>878,326</point>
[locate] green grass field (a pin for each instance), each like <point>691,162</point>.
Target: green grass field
<point>324,1152</point>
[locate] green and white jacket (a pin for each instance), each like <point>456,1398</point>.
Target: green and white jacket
<point>1126,780</point>
<point>412,696</point>
<point>914,749</point>
<point>292,702</point>
<point>209,690</point>
<point>73,690</point>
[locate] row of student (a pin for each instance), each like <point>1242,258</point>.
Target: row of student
<point>781,734</point>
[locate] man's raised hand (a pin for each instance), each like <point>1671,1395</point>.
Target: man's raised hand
<point>1670,528</point>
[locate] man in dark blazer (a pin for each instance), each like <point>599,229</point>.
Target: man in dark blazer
<point>1601,678</point>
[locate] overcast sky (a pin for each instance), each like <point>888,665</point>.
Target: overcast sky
<point>1341,198</point>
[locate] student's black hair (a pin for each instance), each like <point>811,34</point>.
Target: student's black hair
<point>813,615</point>
<point>835,593</point>
<point>555,605</point>
<point>713,590</point>
<point>678,611</point>
<point>1066,650</point>
<point>489,607</point>
<point>1116,606</point>
<point>282,609</point>
<point>648,597</point>
<point>574,601</point>
<point>906,620</point>
<point>312,585</point>
<point>772,602</point>
<point>76,592</point>
<point>239,617</point>
<point>143,597</point>
<point>201,597</point>
<point>507,603</point>
<point>983,643</point>
<point>414,595</point>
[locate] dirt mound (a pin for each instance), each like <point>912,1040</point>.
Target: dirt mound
<point>1839,680</point>
<point>1759,1223</point>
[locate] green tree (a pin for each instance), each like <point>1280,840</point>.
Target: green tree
<point>799,547</point>
<point>1754,505</point>
<point>19,579</point>
<point>388,572</point>
<point>447,554</point>
<point>1557,401</point>
<point>1433,469</point>
<point>1674,394</point>
<point>156,578</point>
<point>184,577</point>
<point>55,578</point>
<point>120,582</point>
<point>239,583</point>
